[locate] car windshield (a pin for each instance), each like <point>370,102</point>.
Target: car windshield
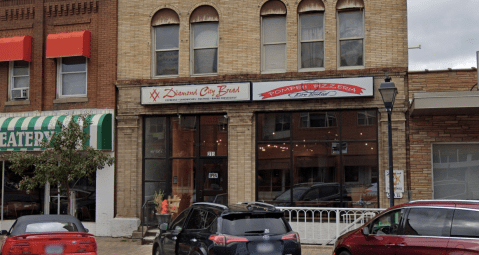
<point>253,224</point>
<point>297,193</point>
<point>44,227</point>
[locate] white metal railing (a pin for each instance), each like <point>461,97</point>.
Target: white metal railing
<point>323,225</point>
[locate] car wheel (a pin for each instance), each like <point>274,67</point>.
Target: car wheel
<point>345,253</point>
<point>157,250</point>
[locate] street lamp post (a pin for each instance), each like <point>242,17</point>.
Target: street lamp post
<point>388,92</point>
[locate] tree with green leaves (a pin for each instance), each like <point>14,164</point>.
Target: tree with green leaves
<point>65,158</point>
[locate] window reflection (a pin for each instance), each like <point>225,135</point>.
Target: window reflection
<point>316,168</point>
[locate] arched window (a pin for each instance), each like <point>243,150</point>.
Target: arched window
<point>311,34</point>
<point>165,25</point>
<point>273,37</point>
<point>204,40</point>
<point>351,33</point>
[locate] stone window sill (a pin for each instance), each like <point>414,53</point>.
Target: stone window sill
<point>17,103</point>
<point>68,100</point>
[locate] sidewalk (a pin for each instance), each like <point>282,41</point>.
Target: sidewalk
<point>125,246</point>
<point>121,246</point>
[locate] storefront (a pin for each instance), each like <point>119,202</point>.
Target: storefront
<point>90,199</point>
<point>315,142</point>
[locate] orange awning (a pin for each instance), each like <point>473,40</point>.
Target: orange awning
<point>16,48</point>
<point>68,44</point>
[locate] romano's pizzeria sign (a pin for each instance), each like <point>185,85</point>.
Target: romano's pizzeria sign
<point>313,89</point>
<point>206,93</point>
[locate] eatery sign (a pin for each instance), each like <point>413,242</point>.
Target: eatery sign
<point>206,93</point>
<point>313,89</point>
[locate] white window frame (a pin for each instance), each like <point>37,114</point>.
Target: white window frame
<point>11,80</point>
<point>154,51</point>
<point>192,49</point>
<point>263,51</point>
<point>350,38</point>
<point>59,79</point>
<point>300,43</point>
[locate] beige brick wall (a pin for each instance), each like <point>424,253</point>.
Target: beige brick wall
<point>239,35</point>
<point>424,131</point>
<point>239,61</point>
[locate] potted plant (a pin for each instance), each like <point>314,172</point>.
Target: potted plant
<point>161,206</point>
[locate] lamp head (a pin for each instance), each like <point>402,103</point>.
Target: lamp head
<point>388,93</point>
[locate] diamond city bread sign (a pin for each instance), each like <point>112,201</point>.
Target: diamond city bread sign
<point>313,89</point>
<point>205,93</point>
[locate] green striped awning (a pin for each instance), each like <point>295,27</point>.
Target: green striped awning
<point>26,133</point>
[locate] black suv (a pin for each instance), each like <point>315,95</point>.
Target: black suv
<point>240,229</point>
<point>316,193</point>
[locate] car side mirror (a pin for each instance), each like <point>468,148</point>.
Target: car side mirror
<point>3,232</point>
<point>365,231</point>
<point>163,226</point>
<point>87,230</point>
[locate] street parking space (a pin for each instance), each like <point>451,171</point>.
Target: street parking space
<point>121,246</point>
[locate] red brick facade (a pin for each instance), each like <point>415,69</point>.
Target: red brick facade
<point>42,17</point>
<point>424,131</point>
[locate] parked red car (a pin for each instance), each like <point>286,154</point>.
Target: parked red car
<point>439,227</point>
<point>48,234</point>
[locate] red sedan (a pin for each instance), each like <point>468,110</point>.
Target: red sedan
<point>48,234</point>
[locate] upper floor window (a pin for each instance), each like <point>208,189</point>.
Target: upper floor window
<point>19,80</point>
<point>72,76</point>
<point>351,33</point>
<point>311,34</point>
<point>273,37</point>
<point>204,40</point>
<point>165,29</point>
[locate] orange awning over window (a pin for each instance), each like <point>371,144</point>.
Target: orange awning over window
<point>16,48</point>
<point>68,44</point>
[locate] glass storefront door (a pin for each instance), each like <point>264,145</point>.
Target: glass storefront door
<point>185,156</point>
<point>213,182</point>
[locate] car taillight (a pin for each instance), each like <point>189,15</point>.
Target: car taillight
<point>222,240</point>
<point>87,246</point>
<point>20,248</point>
<point>292,236</point>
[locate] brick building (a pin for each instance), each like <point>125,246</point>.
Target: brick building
<point>58,60</point>
<point>245,100</point>
<point>444,134</point>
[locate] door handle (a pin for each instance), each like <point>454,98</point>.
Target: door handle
<point>193,240</point>
<point>389,244</point>
<point>402,244</point>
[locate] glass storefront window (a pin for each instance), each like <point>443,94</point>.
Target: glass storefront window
<point>273,170</point>
<point>456,171</point>
<point>18,203</point>
<point>275,126</point>
<point>214,135</point>
<point>155,133</point>
<point>183,132</point>
<point>318,166</point>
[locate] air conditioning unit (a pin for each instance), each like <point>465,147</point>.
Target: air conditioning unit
<point>20,93</point>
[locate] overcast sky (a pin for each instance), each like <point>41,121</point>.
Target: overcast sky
<point>448,32</point>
